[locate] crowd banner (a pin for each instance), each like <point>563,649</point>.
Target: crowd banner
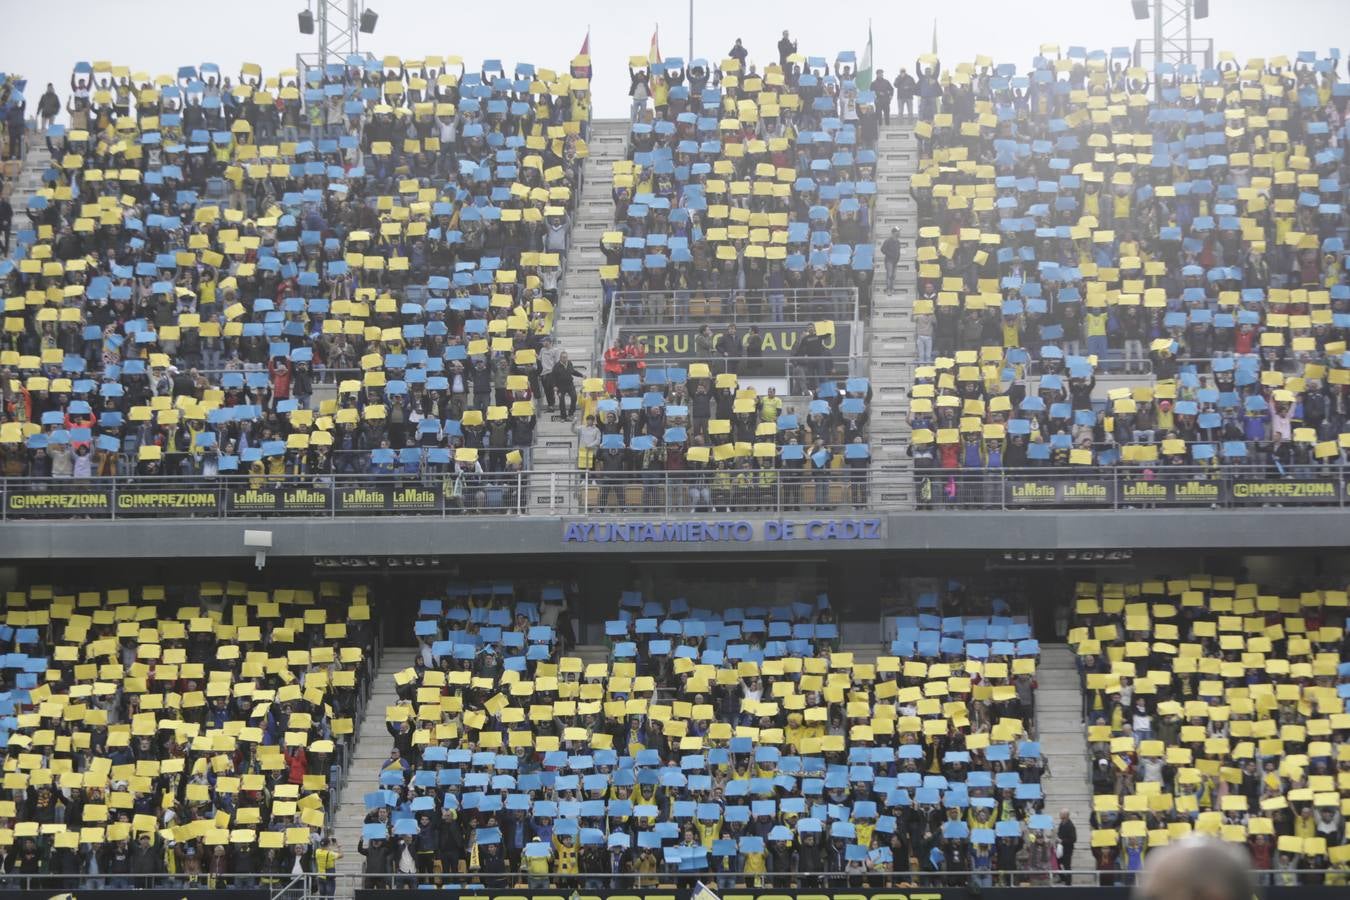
<point>780,340</point>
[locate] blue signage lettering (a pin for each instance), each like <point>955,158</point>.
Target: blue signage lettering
<point>727,531</point>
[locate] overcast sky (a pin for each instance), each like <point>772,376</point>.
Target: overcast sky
<point>44,38</point>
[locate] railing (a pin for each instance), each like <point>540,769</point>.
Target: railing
<point>747,490</point>
<point>676,311</point>
<point>436,494</point>
<point>311,884</point>
<point>803,374</point>
<point>1159,487</point>
<point>744,307</point>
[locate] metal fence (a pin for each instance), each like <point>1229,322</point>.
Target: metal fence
<point>1126,488</point>
<point>744,307</point>
<point>802,374</point>
<point>741,488</point>
<point>437,494</point>
<point>310,884</point>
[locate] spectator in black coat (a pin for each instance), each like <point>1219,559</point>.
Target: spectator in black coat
<point>885,91</point>
<point>379,863</point>
<point>1068,836</point>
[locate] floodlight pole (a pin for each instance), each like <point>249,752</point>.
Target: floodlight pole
<point>690,58</point>
<point>1172,39</point>
<point>338,27</point>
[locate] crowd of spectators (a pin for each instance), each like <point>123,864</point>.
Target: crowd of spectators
<point>691,438</point>
<point>736,746</point>
<point>175,736</point>
<point>1086,218</point>
<point>1222,707</point>
<point>209,257</point>
<point>743,187</point>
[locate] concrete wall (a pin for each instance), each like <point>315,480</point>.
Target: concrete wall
<point>1271,529</point>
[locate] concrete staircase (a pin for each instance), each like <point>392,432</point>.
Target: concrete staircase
<point>372,749</point>
<point>590,653</point>
<point>891,345</point>
<point>1063,737</point>
<point>579,307</point>
<point>28,183</point>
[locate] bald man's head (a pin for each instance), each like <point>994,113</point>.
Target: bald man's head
<point>1196,868</point>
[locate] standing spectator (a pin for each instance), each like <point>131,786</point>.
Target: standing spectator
<point>325,865</point>
<point>884,91</point>
<point>14,123</point>
<point>739,53</point>
<point>786,47</point>
<point>6,224</point>
<point>729,348</point>
<point>639,90</point>
<point>754,352</point>
<point>561,378</point>
<point>905,89</point>
<point>1068,836</point>
<point>890,252</point>
<point>49,106</point>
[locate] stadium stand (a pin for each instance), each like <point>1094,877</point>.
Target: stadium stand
<point>740,181</point>
<point>176,735</point>
<point>681,438</point>
<point>1216,705</point>
<point>1114,278</point>
<point>744,207</point>
<point>353,275</point>
<point>740,744</point>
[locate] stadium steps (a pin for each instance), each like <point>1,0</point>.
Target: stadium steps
<point>372,749</point>
<point>865,654</point>
<point>1063,737</point>
<point>590,653</point>
<point>579,307</point>
<point>28,183</point>
<point>891,347</point>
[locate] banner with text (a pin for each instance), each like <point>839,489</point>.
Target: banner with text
<point>779,340</point>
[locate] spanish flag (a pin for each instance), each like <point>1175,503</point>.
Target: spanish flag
<point>654,54</point>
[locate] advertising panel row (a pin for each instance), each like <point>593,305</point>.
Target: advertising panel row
<point>996,489</point>
<point>209,500</point>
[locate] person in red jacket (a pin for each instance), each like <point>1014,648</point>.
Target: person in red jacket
<point>634,357</point>
<point>613,368</point>
<point>297,763</point>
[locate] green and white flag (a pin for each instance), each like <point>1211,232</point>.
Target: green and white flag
<point>863,77</point>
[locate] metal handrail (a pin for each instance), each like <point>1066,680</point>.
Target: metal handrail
<point>769,488</point>
<point>575,492</point>
<point>742,306</point>
<point>311,881</point>
<point>1125,487</point>
<point>803,374</point>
